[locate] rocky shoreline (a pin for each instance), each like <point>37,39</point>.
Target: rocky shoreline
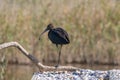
<point>82,74</point>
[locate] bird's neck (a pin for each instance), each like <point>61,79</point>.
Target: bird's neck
<point>51,29</point>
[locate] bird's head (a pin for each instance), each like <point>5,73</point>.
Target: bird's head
<point>49,27</point>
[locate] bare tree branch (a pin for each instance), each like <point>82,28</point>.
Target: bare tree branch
<point>34,60</point>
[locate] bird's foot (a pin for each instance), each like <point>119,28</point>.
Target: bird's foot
<point>56,66</point>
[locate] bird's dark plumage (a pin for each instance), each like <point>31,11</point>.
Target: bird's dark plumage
<point>57,36</point>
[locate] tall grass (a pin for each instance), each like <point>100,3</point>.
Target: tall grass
<point>93,27</point>
<point>3,66</point>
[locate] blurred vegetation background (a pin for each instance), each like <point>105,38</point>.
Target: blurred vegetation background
<point>93,27</point>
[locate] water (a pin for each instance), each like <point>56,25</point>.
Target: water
<point>20,72</point>
<point>24,72</point>
<point>17,72</point>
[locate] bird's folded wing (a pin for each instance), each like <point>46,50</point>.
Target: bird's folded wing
<point>62,33</point>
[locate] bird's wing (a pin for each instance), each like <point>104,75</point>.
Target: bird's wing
<point>62,33</point>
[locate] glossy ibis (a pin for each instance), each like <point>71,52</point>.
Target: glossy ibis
<point>57,36</point>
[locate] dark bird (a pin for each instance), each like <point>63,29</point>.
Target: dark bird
<point>57,36</point>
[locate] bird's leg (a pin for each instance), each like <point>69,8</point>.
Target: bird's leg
<point>57,51</point>
<point>59,48</point>
<point>59,54</point>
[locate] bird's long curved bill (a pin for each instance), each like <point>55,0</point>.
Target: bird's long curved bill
<point>42,33</point>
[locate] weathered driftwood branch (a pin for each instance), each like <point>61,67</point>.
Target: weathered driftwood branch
<point>34,60</point>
